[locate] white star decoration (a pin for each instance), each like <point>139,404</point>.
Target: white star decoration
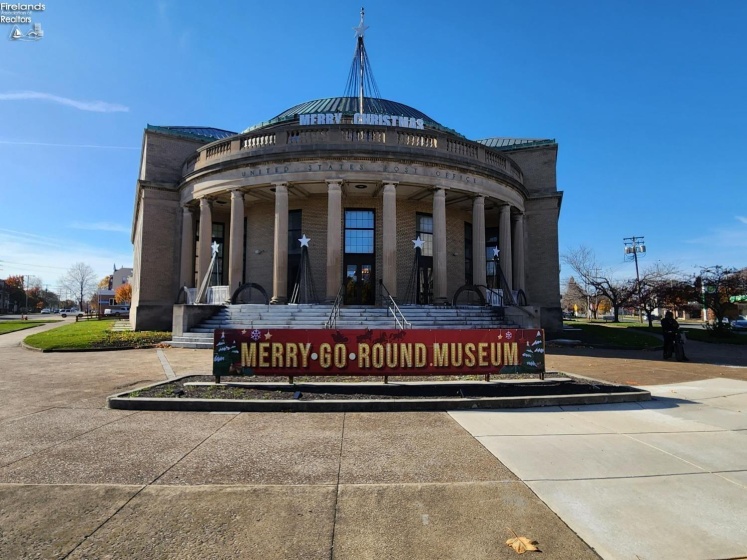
<point>496,252</point>
<point>418,243</point>
<point>215,247</point>
<point>304,240</point>
<point>361,29</point>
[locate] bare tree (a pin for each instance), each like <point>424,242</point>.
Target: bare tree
<point>80,279</point>
<point>584,263</point>
<point>653,284</point>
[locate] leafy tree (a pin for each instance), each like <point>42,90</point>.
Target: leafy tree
<point>14,285</point>
<point>79,280</point>
<point>123,294</point>
<point>618,292</point>
<point>716,286</point>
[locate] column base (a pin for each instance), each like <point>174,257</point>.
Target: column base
<point>279,300</point>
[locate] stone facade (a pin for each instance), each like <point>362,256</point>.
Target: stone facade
<point>185,175</point>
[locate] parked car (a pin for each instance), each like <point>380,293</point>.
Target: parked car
<point>46,311</point>
<point>71,312</point>
<point>739,325</point>
<point>118,311</point>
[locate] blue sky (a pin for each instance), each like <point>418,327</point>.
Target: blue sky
<point>646,100</point>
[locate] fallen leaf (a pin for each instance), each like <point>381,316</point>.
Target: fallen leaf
<point>522,544</point>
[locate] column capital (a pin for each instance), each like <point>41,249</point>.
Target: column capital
<point>392,183</point>
<point>280,184</point>
<point>331,182</point>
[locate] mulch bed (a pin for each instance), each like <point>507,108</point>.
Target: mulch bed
<point>340,388</point>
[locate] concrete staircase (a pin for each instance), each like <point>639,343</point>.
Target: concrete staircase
<point>313,316</point>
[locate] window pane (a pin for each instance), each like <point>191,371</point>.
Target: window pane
<point>359,241</point>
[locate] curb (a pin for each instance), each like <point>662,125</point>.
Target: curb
<point>120,401</point>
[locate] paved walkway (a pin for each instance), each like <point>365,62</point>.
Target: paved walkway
<point>78,480</point>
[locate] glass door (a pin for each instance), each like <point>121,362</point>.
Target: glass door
<point>359,284</point>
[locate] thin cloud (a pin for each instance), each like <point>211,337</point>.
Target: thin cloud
<point>100,226</point>
<point>94,106</point>
<point>742,219</point>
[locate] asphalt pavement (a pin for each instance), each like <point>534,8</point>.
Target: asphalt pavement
<point>660,479</point>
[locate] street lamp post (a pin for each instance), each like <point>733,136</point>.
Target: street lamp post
<point>632,247</point>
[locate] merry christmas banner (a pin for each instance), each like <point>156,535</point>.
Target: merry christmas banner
<point>292,352</point>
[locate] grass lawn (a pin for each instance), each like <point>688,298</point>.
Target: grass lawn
<point>94,334</point>
<point>632,334</point>
<point>17,325</point>
<point>613,334</point>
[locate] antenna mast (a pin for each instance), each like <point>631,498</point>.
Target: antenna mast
<point>361,77</point>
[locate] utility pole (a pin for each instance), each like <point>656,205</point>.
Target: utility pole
<point>632,247</point>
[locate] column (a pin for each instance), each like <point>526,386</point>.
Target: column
<point>389,235</point>
<point>479,270</point>
<point>439,246</point>
<point>334,238</point>
<point>504,243</point>
<point>519,252</point>
<point>187,271</point>
<point>236,241</point>
<point>280,246</point>
<point>206,238</point>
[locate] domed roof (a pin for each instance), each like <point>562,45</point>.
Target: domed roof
<point>349,106</point>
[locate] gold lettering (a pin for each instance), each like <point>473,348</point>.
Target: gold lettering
<point>264,354</point>
<point>364,356</point>
<point>392,353</point>
<point>291,355</point>
<point>511,353</point>
<point>405,351</point>
<point>440,355</point>
<point>277,354</point>
<point>469,351</point>
<point>456,354</point>
<point>495,354</point>
<point>421,354</point>
<point>305,348</point>
<point>248,355</point>
<point>341,354</point>
<point>378,355</point>
<point>482,351</point>
<point>325,351</point>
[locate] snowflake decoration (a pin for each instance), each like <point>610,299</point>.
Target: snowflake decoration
<point>509,335</point>
<point>256,335</point>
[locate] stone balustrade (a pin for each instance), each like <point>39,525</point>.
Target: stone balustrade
<point>246,144</point>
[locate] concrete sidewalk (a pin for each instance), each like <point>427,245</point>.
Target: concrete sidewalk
<point>78,480</point>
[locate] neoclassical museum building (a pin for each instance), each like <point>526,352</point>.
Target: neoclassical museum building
<point>339,193</point>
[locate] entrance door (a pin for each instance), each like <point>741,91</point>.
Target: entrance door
<point>359,282</point>
<point>425,281</point>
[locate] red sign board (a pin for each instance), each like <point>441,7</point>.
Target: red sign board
<point>294,352</point>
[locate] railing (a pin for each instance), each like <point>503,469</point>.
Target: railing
<point>417,140</point>
<point>257,141</point>
<point>333,135</point>
<point>218,150</point>
<point>392,307</point>
<point>363,135</point>
<point>335,313</point>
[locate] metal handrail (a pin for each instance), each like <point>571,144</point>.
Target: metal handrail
<point>394,308</point>
<point>335,313</point>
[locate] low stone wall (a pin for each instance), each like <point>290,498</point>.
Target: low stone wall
<point>187,316</point>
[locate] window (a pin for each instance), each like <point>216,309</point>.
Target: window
<point>424,230</point>
<point>359,231</point>
<point>294,232</point>
<point>218,236</point>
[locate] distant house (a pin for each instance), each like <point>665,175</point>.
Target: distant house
<point>118,278</point>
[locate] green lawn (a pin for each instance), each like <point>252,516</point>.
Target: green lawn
<point>94,334</point>
<point>17,325</point>
<point>618,335</point>
<point>632,334</point>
